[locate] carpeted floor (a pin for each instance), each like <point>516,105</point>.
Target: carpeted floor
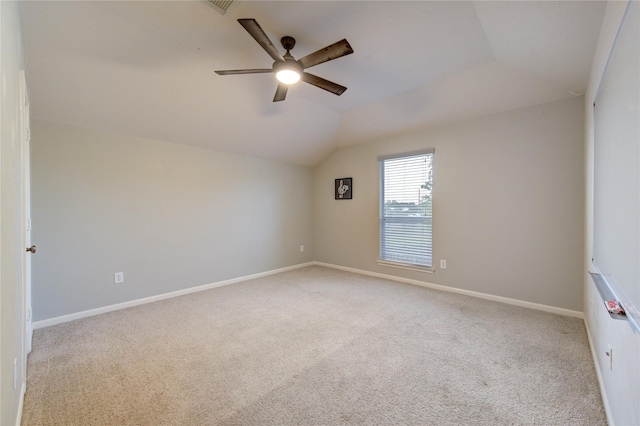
<point>314,346</point>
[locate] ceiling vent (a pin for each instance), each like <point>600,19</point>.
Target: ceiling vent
<point>222,6</point>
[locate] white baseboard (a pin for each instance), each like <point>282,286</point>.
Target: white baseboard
<point>97,311</point>
<point>23,391</point>
<point>516,302</point>
<point>596,364</point>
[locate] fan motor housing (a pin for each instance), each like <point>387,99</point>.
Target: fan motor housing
<point>289,63</point>
<point>288,42</point>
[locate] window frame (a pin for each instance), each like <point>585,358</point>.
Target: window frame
<point>381,164</point>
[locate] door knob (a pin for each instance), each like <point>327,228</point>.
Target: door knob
<point>32,249</point>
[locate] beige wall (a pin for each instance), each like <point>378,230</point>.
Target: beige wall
<point>169,216</point>
<point>11,218</point>
<point>508,212</point>
<point>508,204</point>
<point>620,385</point>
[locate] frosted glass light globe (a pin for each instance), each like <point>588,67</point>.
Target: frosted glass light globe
<point>288,76</point>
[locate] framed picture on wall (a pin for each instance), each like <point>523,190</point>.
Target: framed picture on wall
<point>343,189</point>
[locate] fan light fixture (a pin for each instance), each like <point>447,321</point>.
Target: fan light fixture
<point>288,71</point>
<point>288,76</point>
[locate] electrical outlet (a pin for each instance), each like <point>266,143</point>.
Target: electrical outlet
<point>118,277</point>
<point>443,264</point>
<point>301,249</point>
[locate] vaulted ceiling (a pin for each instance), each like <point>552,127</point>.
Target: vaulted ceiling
<point>146,68</point>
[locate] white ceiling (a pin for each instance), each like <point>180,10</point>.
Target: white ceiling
<point>146,68</point>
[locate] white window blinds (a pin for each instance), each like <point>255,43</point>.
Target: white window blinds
<point>405,209</point>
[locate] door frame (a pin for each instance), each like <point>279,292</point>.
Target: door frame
<point>26,211</point>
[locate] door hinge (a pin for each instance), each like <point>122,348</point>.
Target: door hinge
<point>28,224</point>
<point>29,314</point>
<point>28,134</point>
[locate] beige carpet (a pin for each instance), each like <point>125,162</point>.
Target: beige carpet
<point>314,346</point>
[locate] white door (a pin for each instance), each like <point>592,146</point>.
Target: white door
<point>26,200</point>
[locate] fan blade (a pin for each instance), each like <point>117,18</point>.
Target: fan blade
<point>252,71</point>
<point>336,50</point>
<point>327,85</point>
<point>252,27</point>
<point>281,92</point>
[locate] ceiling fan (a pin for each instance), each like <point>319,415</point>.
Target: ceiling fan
<point>287,69</point>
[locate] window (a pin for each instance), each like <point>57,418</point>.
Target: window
<point>406,182</point>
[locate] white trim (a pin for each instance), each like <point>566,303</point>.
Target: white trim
<point>406,266</point>
<point>97,311</point>
<point>508,301</point>
<point>23,391</point>
<point>603,390</point>
<point>407,154</point>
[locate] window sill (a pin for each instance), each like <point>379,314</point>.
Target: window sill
<point>406,266</point>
